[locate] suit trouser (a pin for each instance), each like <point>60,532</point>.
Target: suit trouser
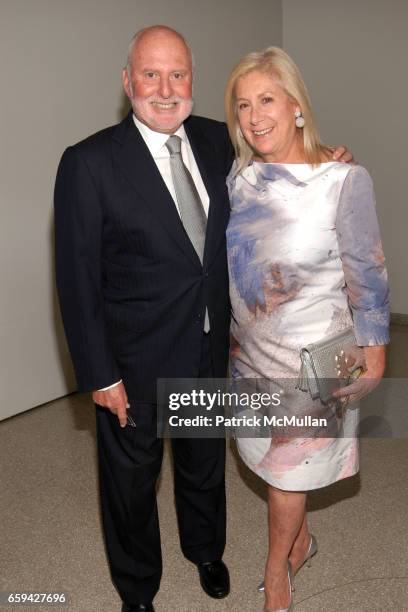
<point>129,465</point>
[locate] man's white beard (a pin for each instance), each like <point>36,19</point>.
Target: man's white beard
<point>143,110</point>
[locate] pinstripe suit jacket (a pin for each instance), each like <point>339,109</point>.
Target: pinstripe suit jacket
<point>132,289</point>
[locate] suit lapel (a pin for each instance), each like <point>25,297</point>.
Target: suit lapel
<point>141,171</point>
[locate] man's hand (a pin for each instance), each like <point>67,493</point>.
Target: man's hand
<point>342,154</point>
<point>115,400</point>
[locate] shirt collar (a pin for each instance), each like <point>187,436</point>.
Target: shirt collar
<point>155,141</point>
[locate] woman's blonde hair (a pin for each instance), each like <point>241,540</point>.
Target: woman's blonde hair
<point>273,61</point>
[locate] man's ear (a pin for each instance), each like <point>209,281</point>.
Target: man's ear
<point>126,83</point>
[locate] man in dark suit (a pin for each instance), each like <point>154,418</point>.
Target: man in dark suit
<point>139,302</point>
<point>141,210</point>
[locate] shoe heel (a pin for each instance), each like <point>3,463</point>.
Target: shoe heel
<point>312,552</point>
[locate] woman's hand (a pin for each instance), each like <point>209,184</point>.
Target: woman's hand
<point>369,380</point>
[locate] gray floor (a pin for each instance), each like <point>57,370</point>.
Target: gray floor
<point>51,537</point>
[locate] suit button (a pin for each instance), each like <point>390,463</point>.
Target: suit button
<point>206,275</point>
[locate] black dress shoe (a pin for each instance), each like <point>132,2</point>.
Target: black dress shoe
<point>214,578</point>
<point>138,608</point>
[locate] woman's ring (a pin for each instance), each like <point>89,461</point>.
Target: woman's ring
<point>345,400</point>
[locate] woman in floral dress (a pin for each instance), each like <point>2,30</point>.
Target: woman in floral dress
<point>305,262</point>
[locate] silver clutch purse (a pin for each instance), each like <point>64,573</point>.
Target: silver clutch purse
<point>327,365</point>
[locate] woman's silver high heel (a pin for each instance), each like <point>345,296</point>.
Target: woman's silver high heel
<point>311,551</point>
<point>290,578</point>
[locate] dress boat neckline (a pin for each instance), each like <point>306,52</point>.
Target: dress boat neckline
<point>299,174</point>
<point>333,161</point>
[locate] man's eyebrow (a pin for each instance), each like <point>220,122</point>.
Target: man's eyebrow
<point>158,70</point>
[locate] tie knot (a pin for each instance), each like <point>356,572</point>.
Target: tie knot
<point>174,144</point>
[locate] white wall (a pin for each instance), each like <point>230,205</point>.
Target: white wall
<point>61,64</point>
<point>353,57</point>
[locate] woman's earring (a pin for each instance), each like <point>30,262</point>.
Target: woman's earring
<point>240,134</point>
<point>300,120</point>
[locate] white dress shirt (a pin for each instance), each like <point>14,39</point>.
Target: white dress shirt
<point>156,143</point>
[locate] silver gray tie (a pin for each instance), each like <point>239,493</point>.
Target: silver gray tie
<point>191,208</point>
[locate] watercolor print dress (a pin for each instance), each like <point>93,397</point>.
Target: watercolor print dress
<point>305,261</point>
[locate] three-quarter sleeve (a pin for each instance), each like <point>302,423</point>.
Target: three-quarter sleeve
<point>363,259</point>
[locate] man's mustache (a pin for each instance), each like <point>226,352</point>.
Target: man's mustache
<point>155,99</point>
